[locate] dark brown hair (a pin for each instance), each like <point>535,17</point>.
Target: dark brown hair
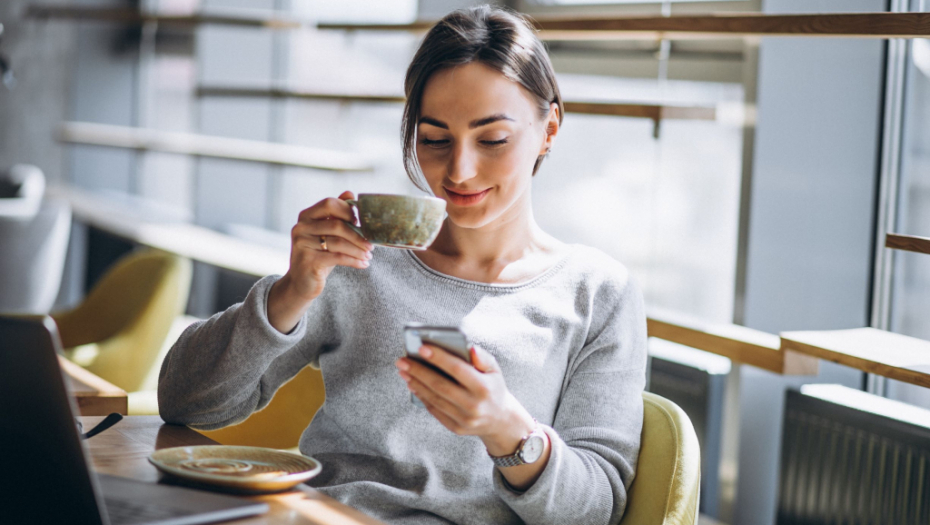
<point>498,38</point>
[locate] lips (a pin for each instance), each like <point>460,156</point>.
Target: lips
<point>465,198</point>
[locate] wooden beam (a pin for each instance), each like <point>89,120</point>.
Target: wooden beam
<point>208,146</point>
<point>124,15</point>
<point>856,25</point>
<point>910,243</point>
<point>871,350</point>
<point>187,240</point>
<point>740,344</point>
<point>262,92</point>
<point>654,112</point>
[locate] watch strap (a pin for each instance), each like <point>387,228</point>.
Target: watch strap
<point>513,460</point>
<point>516,459</point>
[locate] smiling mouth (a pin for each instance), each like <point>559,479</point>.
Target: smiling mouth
<point>465,199</point>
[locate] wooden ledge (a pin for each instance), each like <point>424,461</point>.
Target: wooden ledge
<point>910,243</point>
<point>232,17</point>
<point>209,146</point>
<point>187,240</point>
<point>95,396</point>
<point>860,25</point>
<point>741,344</point>
<point>871,350</point>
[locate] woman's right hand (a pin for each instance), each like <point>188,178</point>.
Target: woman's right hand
<point>310,264</point>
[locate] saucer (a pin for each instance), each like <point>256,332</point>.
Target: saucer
<point>237,469</point>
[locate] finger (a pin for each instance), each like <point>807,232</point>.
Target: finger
<point>323,259</point>
<point>334,244</point>
<point>427,395</point>
<point>327,208</point>
<point>460,370</point>
<point>437,383</point>
<point>445,420</point>
<point>482,360</point>
<point>332,228</point>
<point>347,195</point>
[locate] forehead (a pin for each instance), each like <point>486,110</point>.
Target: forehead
<point>474,90</point>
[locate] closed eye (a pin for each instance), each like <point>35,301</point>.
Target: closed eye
<point>434,143</point>
<point>494,142</point>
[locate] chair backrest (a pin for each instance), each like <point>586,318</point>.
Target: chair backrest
<point>667,486</point>
<point>32,257</point>
<point>127,316</point>
<point>280,424</point>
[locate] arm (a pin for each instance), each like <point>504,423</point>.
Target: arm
<point>590,458</point>
<point>595,436</point>
<point>223,369</point>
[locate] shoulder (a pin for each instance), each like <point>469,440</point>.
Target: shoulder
<point>611,306</point>
<point>598,272</point>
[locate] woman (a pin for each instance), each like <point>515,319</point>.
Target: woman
<point>559,330</point>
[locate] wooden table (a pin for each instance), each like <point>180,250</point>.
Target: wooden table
<point>95,396</point>
<point>123,451</point>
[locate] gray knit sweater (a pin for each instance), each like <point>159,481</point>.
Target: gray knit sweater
<point>571,344</point>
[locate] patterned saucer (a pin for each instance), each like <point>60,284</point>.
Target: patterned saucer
<point>239,469</point>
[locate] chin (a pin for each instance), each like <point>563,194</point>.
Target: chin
<point>469,218</point>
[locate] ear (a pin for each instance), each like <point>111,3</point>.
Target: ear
<point>552,128</point>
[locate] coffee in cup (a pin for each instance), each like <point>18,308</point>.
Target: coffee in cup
<point>399,221</point>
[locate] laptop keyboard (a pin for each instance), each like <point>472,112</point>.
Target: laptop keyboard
<point>126,512</point>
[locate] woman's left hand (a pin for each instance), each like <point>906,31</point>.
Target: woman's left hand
<point>479,405</point>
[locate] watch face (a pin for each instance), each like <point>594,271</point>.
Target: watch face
<point>532,449</point>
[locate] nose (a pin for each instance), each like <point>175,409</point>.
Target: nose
<point>462,164</point>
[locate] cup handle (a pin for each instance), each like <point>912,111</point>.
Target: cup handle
<point>354,203</point>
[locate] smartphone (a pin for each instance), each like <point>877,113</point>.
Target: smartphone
<point>449,338</point>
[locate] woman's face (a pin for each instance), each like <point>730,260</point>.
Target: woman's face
<point>478,137</point>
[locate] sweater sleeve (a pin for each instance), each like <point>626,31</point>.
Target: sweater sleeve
<point>223,369</point>
<point>595,436</point>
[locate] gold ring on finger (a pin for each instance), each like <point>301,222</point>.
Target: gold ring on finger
<point>323,243</point>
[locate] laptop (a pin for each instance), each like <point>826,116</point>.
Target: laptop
<point>45,472</point>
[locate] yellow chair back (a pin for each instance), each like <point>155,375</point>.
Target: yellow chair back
<point>667,486</point>
<point>280,424</point>
<point>119,328</point>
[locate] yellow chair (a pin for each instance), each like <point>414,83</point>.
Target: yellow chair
<point>667,486</point>
<point>120,327</point>
<point>280,424</point>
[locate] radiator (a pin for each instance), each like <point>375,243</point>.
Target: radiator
<point>851,458</point>
<point>695,381</point>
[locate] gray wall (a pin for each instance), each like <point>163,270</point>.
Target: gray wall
<point>812,207</point>
<point>41,55</point>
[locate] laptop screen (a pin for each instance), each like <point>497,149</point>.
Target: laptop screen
<point>44,475</point>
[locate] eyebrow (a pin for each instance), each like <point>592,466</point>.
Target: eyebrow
<point>471,125</point>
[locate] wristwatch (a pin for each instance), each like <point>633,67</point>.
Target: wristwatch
<point>530,450</point>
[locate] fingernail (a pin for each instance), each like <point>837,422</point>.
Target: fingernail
<point>368,255</point>
<point>403,365</point>
<point>365,264</point>
<point>404,376</point>
<point>426,352</point>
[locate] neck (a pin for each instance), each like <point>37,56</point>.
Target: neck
<point>507,239</point>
